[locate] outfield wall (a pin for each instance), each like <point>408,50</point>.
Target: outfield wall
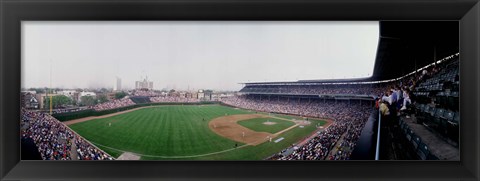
<point>91,112</point>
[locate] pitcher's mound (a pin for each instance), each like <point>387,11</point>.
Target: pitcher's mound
<point>269,123</point>
<point>128,156</point>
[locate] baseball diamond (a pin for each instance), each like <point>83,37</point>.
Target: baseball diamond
<point>177,132</point>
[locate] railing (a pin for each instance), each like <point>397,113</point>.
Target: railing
<point>377,152</point>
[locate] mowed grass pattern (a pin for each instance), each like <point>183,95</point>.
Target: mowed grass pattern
<point>263,150</point>
<point>177,130</point>
<point>257,124</point>
<point>164,130</point>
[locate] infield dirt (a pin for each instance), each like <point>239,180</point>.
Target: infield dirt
<point>228,127</point>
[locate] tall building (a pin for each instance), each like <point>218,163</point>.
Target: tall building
<point>118,84</point>
<point>200,94</point>
<point>144,84</point>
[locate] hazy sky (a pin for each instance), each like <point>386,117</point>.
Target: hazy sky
<point>196,54</point>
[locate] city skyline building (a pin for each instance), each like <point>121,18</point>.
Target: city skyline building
<point>117,84</point>
<point>144,84</point>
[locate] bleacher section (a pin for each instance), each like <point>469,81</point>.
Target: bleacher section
<point>433,130</point>
<point>438,101</point>
<point>442,87</point>
<point>299,88</point>
<point>140,99</point>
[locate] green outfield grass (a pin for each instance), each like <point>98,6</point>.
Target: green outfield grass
<point>257,124</point>
<point>181,132</point>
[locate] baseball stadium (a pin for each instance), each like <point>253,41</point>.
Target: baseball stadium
<point>407,110</point>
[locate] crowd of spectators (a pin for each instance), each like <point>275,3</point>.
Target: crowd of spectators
<point>65,110</point>
<point>87,152</point>
<point>128,102</point>
<point>173,99</point>
<point>348,143</point>
<point>54,140</point>
<point>117,103</point>
<point>355,89</point>
<point>396,97</point>
<point>303,107</point>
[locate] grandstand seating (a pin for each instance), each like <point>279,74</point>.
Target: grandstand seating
<point>415,143</point>
<point>140,99</point>
<point>442,88</point>
<point>436,107</point>
<point>435,98</point>
<point>423,151</point>
<point>415,140</point>
<point>409,133</point>
<point>317,89</point>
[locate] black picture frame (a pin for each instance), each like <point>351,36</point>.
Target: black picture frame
<point>13,12</point>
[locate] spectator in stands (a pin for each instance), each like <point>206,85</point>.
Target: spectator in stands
<point>387,98</point>
<point>384,108</point>
<point>406,100</point>
<point>424,74</point>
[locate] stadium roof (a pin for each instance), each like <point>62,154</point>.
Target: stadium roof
<point>312,81</point>
<point>405,46</point>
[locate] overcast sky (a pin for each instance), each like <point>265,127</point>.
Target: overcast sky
<point>192,54</point>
